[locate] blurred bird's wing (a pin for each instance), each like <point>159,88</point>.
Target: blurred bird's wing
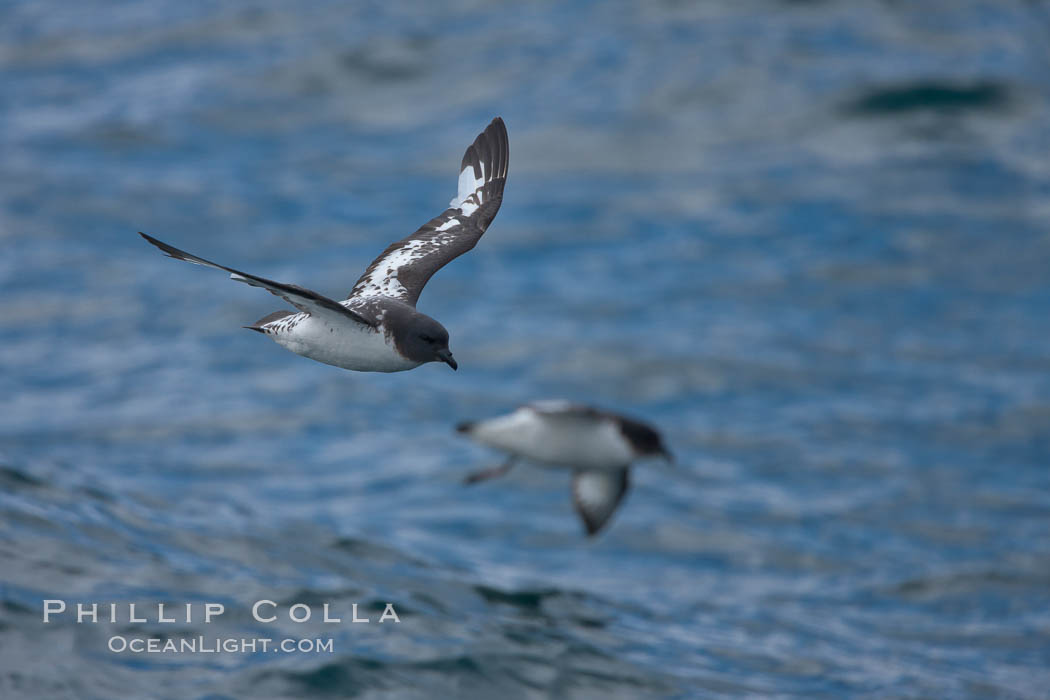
<point>596,494</point>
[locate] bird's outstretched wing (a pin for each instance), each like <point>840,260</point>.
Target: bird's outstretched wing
<point>304,299</point>
<point>406,266</point>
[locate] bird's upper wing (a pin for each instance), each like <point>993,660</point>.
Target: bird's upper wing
<point>595,494</point>
<point>404,267</point>
<point>304,299</point>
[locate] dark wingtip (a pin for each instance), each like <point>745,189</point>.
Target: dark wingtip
<point>151,239</point>
<point>168,250</point>
<point>255,328</point>
<point>465,427</point>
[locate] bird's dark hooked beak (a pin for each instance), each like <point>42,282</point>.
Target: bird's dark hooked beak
<point>446,357</point>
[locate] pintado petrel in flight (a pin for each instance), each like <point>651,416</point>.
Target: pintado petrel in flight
<point>377,328</point>
<point>597,445</point>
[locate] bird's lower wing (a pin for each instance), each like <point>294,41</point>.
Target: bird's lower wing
<point>304,299</point>
<point>404,267</point>
<point>596,494</point>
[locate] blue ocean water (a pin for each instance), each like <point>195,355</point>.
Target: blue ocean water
<point>808,240</point>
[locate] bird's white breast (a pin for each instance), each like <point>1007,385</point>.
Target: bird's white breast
<point>348,345</point>
<point>578,442</point>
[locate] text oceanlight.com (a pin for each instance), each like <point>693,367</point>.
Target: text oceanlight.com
<point>120,644</point>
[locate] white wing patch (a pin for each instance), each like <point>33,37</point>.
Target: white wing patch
<point>383,281</point>
<point>448,224</point>
<point>468,198</point>
<point>596,490</point>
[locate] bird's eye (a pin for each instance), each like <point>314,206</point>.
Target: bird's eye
<point>426,339</point>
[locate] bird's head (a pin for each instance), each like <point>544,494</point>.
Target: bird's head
<point>425,340</point>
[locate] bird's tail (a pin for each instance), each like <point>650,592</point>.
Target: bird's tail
<point>269,318</point>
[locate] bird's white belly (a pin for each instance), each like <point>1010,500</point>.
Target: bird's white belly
<point>350,346</point>
<point>589,444</point>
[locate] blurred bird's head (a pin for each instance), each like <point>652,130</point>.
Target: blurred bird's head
<point>645,441</point>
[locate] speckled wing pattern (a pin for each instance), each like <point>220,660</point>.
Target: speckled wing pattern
<point>306,300</point>
<point>406,266</point>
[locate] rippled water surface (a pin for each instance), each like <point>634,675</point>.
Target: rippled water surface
<point>809,240</point>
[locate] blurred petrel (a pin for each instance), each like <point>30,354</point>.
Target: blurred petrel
<point>598,446</point>
<point>377,328</point>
